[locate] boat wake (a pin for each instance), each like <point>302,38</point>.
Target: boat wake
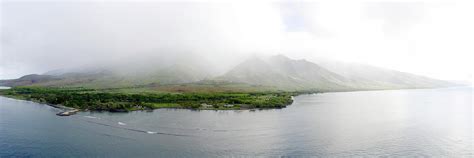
<point>122,126</point>
<point>90,117</point>
<point>150,132</point>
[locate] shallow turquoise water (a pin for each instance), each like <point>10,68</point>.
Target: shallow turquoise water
<point>428,122</point>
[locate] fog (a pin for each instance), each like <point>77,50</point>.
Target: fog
<point>432,38</point>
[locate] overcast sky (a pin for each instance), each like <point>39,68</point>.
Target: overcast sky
<point>431,38</point>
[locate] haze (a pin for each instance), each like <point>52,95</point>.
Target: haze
<point>431,38</point>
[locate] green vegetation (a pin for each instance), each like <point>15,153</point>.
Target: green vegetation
<point>118,101</point>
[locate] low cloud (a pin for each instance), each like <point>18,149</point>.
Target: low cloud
<point>41,36</point>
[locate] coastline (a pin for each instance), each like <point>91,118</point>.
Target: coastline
<point>68,111</point>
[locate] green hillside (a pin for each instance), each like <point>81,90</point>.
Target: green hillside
<point>255,74</point>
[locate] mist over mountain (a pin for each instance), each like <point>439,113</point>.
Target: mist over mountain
<point>283,72</point>
<point>286,73</point>
<point>139,37</point>
<point>278,72</point>
<point>367,76</point>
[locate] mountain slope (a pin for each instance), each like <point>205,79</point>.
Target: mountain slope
<point>371,77</point>
<point>113,78</point>
<point>28,80</point>
<point>284,73</point>
<point>276,72</point>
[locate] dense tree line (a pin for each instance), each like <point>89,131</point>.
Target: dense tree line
<point>119,101</point>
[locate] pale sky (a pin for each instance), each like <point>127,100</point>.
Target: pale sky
<point>431,38</point>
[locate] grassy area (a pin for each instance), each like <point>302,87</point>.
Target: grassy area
<point>135,99</point>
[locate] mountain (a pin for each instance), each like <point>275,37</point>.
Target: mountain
<point>58,78</point>
<point>114,78</point>
<point>276,72</point>
<point>28,80</point>
<point>285,73</point>
<point>363,76</point>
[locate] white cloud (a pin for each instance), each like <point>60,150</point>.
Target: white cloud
<point>430,38</point>
<point>425,38</point>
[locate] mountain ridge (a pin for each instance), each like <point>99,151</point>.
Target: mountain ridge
<point>278,72</point>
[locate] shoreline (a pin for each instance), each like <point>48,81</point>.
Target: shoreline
<point>96,100</point>
<point>68,111</point>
